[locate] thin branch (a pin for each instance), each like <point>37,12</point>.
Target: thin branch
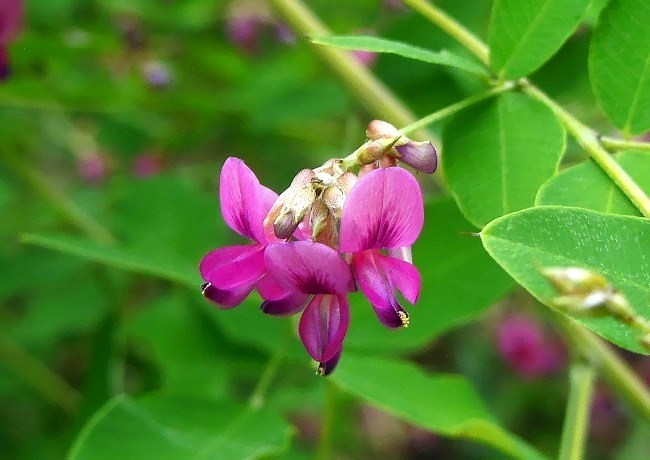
<point>576,421</point>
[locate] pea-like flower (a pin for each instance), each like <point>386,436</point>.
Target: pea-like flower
<point>311,268</point>
<point>231,273</point>
<point>384,211</point>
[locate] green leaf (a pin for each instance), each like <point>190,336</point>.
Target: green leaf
<point>498,153</point>
<point>180,272</point>
<point>446,259</point>
<point>616,247</point>
<point>168,428</point>
<point>619,64</point>
<point>444,404</point>
<point>382,45</point>
<point>524,34</point>
<point>587,186</point>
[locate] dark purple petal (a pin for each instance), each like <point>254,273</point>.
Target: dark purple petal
<point>327,367</point>
<point>310,268</point>
<point>323,326</point>
<point>226,298</point>
<point>233,266</point>
<point>279,301</point>
<point>419,155</point>
<point>11,19</point>
<point>383,210</point>
<point>5,70</point>
<point>244,202</point>
<point>377,286</point>
<point>402,275</point>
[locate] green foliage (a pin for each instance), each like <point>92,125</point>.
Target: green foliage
<point>554,236</point>
<point>619,64</point>
<point>382,45</point>
<point>497,154</point>
<point>587,186</point>
<point>524,34</point>
<point>172,427</point>
<point>445,404</point>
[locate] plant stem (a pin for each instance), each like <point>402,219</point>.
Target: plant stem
<point>452,27</point>
<point>38,376</point>
<point>583,134</point>
<point>324,451</point>
<point>457,107</point>
<point>621,144</point>
<point>617,373</point>
<point>372,93</point>
<point>256,400</point>
<point>66,207</point>
<point>576,421</point>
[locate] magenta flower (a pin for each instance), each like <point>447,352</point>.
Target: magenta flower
<point>231,273</point>
<point>309,268</point>
<point>11,21</point>
<point>384,211</point>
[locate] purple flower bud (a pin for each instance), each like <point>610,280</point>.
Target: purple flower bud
<point>284,34</point>
<point>92,168</point>
<point>243,32</point>
<point>156,74</point>
<point>365,58</point>
<point>146,165</point>
<point>522,344</point>
<point>285,225</point>
<point>419,155</point>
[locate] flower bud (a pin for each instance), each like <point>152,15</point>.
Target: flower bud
<point>301,202</point>
<point>574,280</point>
<point>419,155</point>
<point>373,150</point>
<point>334,198</point>
<point>377,129</point>
<point>347,181</point>
<point>285,225</point>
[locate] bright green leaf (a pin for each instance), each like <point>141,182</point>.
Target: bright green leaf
<point>587,186</point>
<point>444,404</point>
<point>446,258</point>
<point>619,64</point>
<point>382,45</point>
<point>524,34</point>
<point>498,153</point>
<point>169,428</point>
<point>616,247</point>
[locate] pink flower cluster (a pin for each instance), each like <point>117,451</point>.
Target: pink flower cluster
<point>11,22</point>
<point>326,235</point>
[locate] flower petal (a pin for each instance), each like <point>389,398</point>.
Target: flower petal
<point>226,298</point>
<point>307,267</point>
<point>403,275</point>
<point>323,326</point>
<point>233,266</point>
<point>419,155</point>
<point>327,367</point>
<point>11,20</point>
<point>377,286</point>
<point>383,210</point>
<point>279,301</point>
<point>244,202</point>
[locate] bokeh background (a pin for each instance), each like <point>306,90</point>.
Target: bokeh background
<point>115,118</point>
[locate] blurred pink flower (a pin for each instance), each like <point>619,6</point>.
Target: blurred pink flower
<point>365,58</point>
<point>147,165</point>
<point>93,167</point>
<point>11,22</point>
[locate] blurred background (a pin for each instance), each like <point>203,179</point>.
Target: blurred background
<point>115,118</point>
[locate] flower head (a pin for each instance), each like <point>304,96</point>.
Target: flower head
<point>11,22</point>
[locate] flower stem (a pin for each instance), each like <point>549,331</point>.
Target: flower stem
<point>324,451</point>
<point>583,134</point>
<point>372,93</point>
<point>38,376</point>
<point>576,421</point>
<point>611,143</point>
<point>457,107</point>
<point>256,400</point>
<point>66,207</point>
<point>618,374</point>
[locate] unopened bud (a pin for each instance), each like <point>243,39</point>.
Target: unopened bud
<point>377,129</point>
<point>318,218</point>
<point>304,177</point>
<point>419,155</point>
<point>574,280</point>
<point>373,150</point>
<point>347,181</point>
<point>334,199</point>
<point>301,202</point>
<point>285,225</point>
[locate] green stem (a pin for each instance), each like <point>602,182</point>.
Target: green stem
<point>372,93</point>
<point>583,134</point>
<point>324,451</point>
<point>452,27</point>
<point>618,374</point>
<point>59,201</point>
<point>38,376</point>
<point>620,144</point>
<point>576,421</point>
<point>256,400</point>
<point>457,107</point>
